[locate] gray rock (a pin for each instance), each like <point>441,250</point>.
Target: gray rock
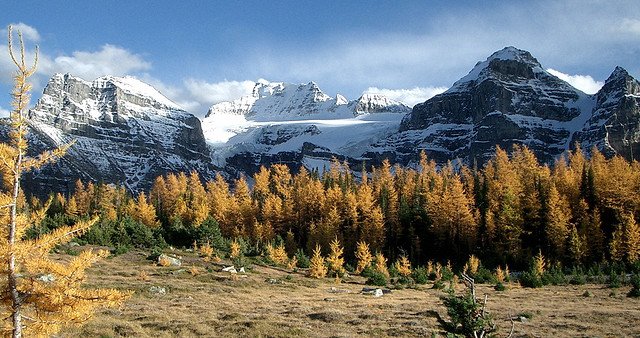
<point>158,290</point>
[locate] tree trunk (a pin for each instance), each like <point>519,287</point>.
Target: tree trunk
<point>16,302</point>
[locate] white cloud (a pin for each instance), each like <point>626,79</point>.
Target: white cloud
<point>28,33</point>
<point>630,26</point>
<point>210,93</point>
<point>109,60</point>
<point>584,83</point>
<point>409,97</point>
<point>4,112</point>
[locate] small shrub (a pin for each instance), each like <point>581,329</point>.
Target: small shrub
<point>376,278</point>
<point>500,287</point>
<point>447,273</point>
<point>587,294</point>
<point>578,277</point>
<point>614,280</point>
<point>635,286</point>
<point>467,317</point>
<point>484,275</point>
<point>121,249</point>
<point>303,260</point>
<point>393,272</point>
<point>438,285</point>
<point>555,276</point>
<point>403,266</point>
<point>363,255</point>
<point>164,261</point>
<point>420,275</point>
<point>530,279</point>
<point>349,268</point>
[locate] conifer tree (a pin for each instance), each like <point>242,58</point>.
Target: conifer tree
<point>335,259</point>
<point>363,255</point>
<point>381,264</point>
<point>40,295</point>
<point>576,246</point>
<point>143,211</point>
<point>558,216</point>
<point>403,266</point>
<point>317,268</point>
<point>631,238</point>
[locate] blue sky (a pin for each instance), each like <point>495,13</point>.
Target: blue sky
<point>201,52</point>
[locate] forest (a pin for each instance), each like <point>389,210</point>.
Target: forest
<point>579,212</point>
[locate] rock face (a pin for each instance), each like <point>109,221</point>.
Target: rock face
<point>509,98</point>
<point>614,126</point>
<point>125,132</point>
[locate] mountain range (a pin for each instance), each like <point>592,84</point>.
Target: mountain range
<point>128,133</point>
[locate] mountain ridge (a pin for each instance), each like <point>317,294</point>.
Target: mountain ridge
<point>127,132</point>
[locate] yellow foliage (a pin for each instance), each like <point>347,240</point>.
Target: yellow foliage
<point>194,271</point>
<point>472,265</point>
<point>164,261</point>
<point>381,264</point>
<point>206,250</point>
<point>335,259</point>
<point>278,254</point>
<point>363,254</point>
<point>500,275</point>
<point>403,266</point>
<point>143,276</point>
<point>293,263</point>
<point>234,250</point>
<point>317,269</point>
<point>429,267</point>
<point>539,264</point>
<point>438,271</point>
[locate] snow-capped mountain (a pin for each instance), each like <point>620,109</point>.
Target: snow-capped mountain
<point>508,98</point>
<point>125,132</point>
<point>288,122</point>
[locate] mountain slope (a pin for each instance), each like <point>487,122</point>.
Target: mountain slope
<point>125,132</point>
<point>614,126</point>
<point>508,98</point>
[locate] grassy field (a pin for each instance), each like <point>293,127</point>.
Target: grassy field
<point>271,302</point>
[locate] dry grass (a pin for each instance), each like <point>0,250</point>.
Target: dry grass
<point>267,303</point>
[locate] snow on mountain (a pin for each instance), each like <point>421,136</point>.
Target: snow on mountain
<point>125,131</point>
<point>279,118</point>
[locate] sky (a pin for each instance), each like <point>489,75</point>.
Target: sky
<point>199,53</point>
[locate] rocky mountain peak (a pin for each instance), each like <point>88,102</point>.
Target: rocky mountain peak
<point>619,83</point>
<point>374,103</point>
<point>508,64</point>
<point>126,132</point>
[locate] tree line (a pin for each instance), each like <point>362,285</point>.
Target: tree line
<point>578,211</point>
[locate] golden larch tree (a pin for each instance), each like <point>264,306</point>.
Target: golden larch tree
<point>363,255</point>
<point>39,295</point>
<point>317,268</point>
